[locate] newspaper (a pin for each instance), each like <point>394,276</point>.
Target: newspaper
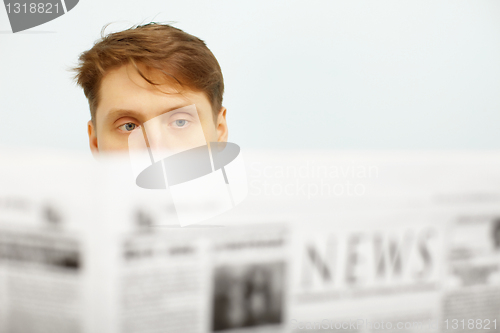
<point>324,242</point>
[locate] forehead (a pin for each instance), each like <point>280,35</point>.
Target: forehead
<point>129,75</point>
<point>125,88</point>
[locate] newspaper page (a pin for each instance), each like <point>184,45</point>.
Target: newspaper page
<point>397,254</point>
<point>47,217</point>
<point>338,241</point>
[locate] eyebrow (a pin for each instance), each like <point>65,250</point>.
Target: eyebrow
<point>118,113</point>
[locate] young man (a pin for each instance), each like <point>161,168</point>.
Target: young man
<point>148,72</point>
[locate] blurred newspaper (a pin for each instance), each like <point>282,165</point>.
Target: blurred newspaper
<point>325,241</point>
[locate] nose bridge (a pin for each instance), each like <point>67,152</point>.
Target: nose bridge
<point>156,135</point>
<point>152,133</point>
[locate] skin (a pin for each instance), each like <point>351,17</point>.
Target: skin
<point>127,101</point>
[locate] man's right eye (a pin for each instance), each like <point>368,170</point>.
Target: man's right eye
<point>128,127</point>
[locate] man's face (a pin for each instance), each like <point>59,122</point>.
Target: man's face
<point>127,101</point>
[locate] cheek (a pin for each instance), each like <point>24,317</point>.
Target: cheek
<point>108,142</point>
<point>209,131</point>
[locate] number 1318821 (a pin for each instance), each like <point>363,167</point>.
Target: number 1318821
<point>471,324</point>
<point>40,8</point>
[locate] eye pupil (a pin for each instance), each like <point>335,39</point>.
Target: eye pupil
<point>129,126</point>
<point>180,122</point>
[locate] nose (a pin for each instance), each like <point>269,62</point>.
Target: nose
<point>155,137</point>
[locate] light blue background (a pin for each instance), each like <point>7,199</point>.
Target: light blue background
<point>298,74</point>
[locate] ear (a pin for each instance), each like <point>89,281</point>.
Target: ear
<point>221,126</point>
<point>92,138</point>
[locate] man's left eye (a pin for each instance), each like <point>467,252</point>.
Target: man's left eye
<point>180,122</point>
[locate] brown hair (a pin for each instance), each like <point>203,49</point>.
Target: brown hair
<point>181,57</point>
